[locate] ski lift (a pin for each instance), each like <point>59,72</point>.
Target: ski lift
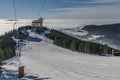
<point>18,51</point>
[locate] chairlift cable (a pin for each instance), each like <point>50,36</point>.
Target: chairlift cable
<point>14,5</point>
<point>42,6</point>
<point>15,25</point>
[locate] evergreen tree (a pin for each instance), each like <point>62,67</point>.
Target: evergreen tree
<point>105,49</point>
<point>73,45</point>
<point>81,47</point>
<point>1,55</point>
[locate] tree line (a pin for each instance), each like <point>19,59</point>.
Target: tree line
<point>7,45</point>
<point>75,44</point>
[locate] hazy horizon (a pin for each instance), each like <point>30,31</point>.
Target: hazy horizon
<point>6,25</point>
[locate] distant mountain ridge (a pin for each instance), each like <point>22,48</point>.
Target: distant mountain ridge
<point>107,28</point>
<point>111,32</point>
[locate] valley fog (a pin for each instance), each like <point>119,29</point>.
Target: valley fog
<point>6,25</point>
<point>62,24</point>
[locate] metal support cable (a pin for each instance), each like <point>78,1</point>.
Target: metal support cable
<point>15,26</point>
<point>14,5</point>
<point>15,17</point>
<point>42,6</point>
<point>18,51</point>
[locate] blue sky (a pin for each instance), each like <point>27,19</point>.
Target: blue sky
<point>62,9</point>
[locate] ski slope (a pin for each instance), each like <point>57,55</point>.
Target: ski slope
<point>45,61</point>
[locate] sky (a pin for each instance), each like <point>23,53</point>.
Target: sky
<point>61,9</point>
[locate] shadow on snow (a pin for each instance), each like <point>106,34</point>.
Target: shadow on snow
<point>34,39</point>
<point>13,75</point>
<point>35,78</point>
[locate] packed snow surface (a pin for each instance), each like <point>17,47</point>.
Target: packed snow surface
<point>45,61</point>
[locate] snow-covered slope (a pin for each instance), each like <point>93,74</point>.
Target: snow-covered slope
<point>45,61</point>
